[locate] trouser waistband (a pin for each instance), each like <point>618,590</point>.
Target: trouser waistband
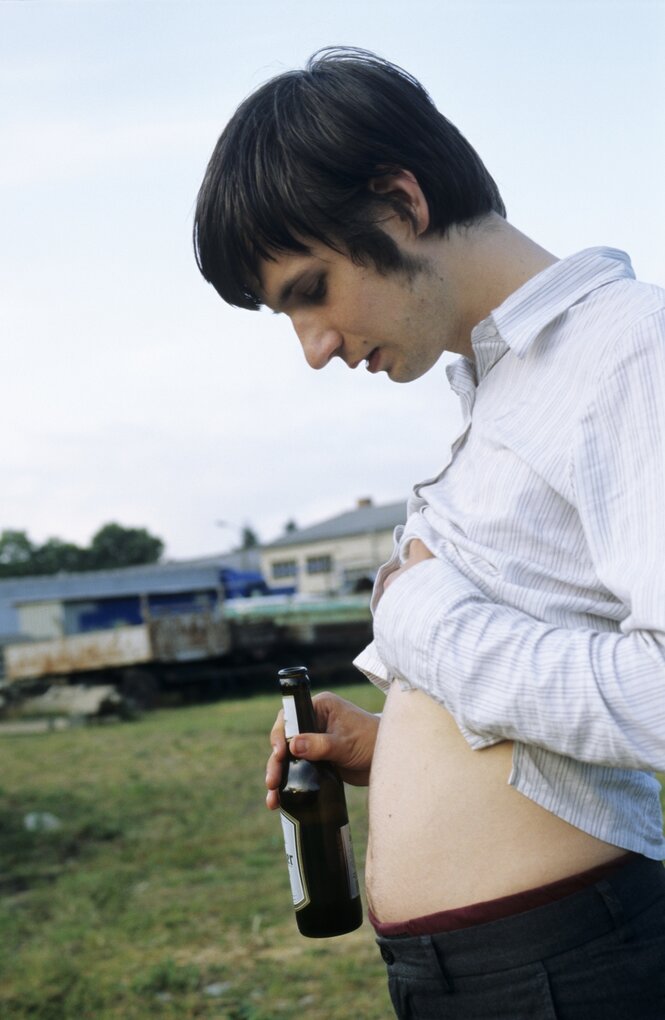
<point>542,931</point>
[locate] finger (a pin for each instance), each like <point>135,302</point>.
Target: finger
<point>272,800</point>
<point>418,552</point>
<point>277,738</point>
<point>393,577</point>
<point>273,772</point>
<point>273,781</point>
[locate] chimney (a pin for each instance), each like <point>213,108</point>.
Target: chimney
<point>363,501</point>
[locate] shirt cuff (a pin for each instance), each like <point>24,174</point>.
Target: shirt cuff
<point>369,663</point>
<point>387,568</point>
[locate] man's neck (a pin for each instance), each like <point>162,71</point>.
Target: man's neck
<point>490,261</point>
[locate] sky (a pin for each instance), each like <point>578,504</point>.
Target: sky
<point>129,391</point>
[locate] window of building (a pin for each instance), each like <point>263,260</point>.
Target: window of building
<point>284,568</point>
<point>358,579</point>
<point>319,564</point>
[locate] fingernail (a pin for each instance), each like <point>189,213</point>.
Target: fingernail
<point>299,745</point>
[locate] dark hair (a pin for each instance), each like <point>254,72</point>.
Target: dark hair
<point>294,163</point>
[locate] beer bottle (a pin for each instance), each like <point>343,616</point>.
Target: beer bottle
<point>315,821</point>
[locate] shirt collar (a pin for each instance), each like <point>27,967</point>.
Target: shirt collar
<point>516,323</point>
<point>464,374</point>
<point>526,312</point>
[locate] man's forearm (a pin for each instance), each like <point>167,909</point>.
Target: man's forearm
<point>596,697</point>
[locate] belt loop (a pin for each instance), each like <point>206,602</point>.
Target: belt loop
<point>612,902</point>
<point>439,956</point>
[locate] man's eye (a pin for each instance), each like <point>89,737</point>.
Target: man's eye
<point>317,292</point>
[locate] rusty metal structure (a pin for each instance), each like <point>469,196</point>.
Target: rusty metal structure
<point>149,630</point>
<point>185,637</point>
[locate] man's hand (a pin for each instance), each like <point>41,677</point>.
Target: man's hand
<point>347,739</point>
<point>418,552</point>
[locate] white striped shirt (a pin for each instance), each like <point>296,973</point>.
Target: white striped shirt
<point>541,618</point>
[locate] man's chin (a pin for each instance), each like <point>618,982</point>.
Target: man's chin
<point>404,373</point>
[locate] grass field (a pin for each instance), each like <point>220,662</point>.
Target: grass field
<point>164,891</point>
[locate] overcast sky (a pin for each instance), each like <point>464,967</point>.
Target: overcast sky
<point>130,392</point>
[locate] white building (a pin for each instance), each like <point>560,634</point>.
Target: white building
<point>341,554</point>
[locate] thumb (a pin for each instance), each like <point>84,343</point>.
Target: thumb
<point>313,746</point>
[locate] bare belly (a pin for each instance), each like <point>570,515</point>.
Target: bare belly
<point>446,830</point>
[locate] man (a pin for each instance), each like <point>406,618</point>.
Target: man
<point>515,831</point>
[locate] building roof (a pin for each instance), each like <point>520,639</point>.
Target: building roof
<point>365,519</point>
<point>152,578</point>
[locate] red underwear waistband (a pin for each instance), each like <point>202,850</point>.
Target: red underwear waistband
<point>494,910</point>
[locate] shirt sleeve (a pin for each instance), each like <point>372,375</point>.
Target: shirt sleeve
<point>593,696</point>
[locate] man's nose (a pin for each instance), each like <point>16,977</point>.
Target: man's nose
<point>319,343</point>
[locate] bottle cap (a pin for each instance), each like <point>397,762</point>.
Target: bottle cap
<point>295,675</point>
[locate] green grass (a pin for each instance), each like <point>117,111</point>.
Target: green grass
<point>164,892</point>
<point>166,882</point>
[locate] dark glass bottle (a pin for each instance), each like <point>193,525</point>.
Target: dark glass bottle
<point>315,821</point>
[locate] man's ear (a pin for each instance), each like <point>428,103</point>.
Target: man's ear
<point>406,196</point>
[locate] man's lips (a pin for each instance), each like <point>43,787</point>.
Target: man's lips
<point>372,360</point>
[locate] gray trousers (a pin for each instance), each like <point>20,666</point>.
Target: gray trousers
<point>598,954</point>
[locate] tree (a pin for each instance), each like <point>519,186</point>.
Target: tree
<point>55,555</point>
<point>249,538</point>
<point>16,552</point>
<point>112,546</point>
<point>115,546</point>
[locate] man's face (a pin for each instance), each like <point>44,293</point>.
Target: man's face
<point>396,323</point>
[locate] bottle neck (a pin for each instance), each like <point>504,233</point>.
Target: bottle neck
<point>298,710</point>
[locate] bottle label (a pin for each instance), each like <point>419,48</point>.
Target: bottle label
<point>351,874</point>
<point>291,829</point>
<point>290,716</point>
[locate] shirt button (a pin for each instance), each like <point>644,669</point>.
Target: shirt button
<point>387,954</point>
